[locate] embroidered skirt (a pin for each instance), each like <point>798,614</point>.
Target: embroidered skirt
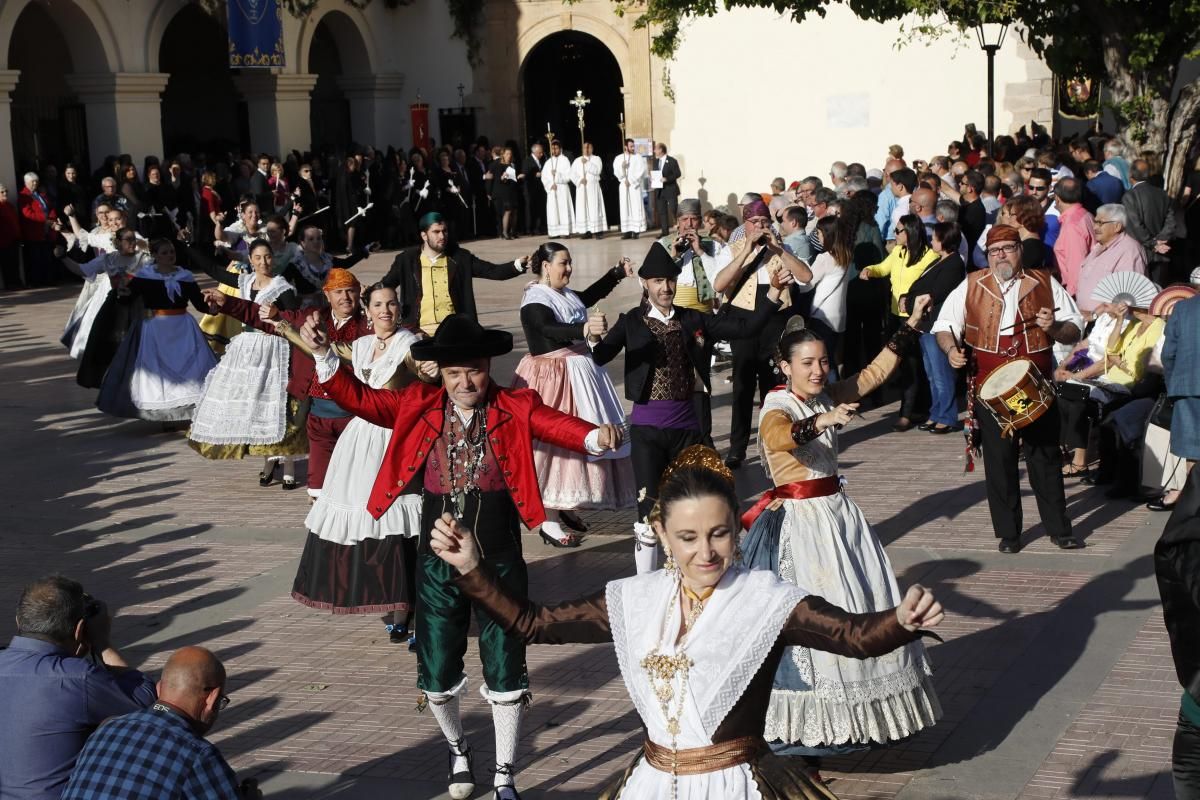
<point>570,381</point>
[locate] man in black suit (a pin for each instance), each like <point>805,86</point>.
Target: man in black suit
<point>1152,220</point>
<point>435,280</point>
<point>260,188</point>
<point>667,201</point>
<point>666,348</point>
<point>535,192</point>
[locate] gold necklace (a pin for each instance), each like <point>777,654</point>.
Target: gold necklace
<point>663,669</point>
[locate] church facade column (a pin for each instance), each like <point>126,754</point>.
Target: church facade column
<point>124,112</point>
<point>8,168</point>
<point>279,107</point>
<point>378,115</point>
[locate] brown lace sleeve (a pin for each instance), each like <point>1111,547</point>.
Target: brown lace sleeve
<point>582,621</point>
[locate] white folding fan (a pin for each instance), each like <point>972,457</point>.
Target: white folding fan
<point>1130,288</point>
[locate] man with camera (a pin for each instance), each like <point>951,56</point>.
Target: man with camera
<point>748,277</point>
<point>62,677</point>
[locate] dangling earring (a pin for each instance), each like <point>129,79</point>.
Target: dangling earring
<point>670,565</point>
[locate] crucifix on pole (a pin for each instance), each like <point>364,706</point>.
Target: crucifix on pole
<point>580,102</point>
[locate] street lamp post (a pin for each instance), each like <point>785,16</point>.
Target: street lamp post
<point>991,38</point>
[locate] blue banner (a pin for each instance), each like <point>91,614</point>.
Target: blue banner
<point>255,33</point>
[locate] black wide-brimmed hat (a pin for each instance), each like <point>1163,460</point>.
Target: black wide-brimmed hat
<point>460,338</point>
<point>658,264</point>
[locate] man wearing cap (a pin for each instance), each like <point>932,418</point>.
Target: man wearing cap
<point>1005,313</point>
<point>699,258</point>
<point>755,260</point>
<point>469,444</point>
<point>344,321</point>
<point>630,171</point>
<point>668,356</point>
<point>434,280</point>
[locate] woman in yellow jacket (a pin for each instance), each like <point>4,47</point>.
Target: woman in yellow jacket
<point>908,261</point>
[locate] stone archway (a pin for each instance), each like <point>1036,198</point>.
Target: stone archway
<point>45,44</point>
<point>551,73</point>
<point>201,111</point>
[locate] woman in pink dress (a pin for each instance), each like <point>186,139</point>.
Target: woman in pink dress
<point>560,368</point>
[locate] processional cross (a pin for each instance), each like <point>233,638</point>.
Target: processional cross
<point>580,102</point>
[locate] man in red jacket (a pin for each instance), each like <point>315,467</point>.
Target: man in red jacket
<point>343,321</point>
<point>39,228</point>
<point>470,444</point>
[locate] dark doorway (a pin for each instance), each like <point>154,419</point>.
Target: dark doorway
<point>553,71</point>
<point>201,110</point>
<point>48,124</point>
<point>329,110</point>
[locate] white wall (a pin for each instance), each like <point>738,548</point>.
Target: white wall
<point>757,95</point>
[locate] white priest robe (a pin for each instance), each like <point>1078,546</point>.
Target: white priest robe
<point>556,177</point>
<point>631,173</point>
<point>589,204</point>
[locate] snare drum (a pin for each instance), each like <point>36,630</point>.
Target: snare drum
<point>1017,394</point>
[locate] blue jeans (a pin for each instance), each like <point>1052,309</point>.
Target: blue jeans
<point>943,408</point>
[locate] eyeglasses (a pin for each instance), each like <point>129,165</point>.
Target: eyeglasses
<point>223,702</point>
<point>1103,221</point>
<point>1002,249</point>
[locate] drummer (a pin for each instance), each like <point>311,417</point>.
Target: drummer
<point>1004,313</point>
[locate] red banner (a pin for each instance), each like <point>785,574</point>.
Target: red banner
<point>420,125</point>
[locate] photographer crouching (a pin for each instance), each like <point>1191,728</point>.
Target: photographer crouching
<point>61,677</point>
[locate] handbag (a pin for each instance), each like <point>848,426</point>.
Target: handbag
<point>1078,392</point>
<point>1161,412</point>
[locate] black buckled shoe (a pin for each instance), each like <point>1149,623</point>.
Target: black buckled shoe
<point>461,784</point>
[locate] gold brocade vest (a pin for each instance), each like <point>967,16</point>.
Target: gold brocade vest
<point>985,306</point>
<point>747,292</point>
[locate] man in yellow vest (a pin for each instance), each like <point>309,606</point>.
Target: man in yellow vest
<point>435,279</point>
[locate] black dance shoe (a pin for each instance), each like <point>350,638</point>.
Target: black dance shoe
<point>571,541</point>
<point>1066,542</point>
<point>267,478</point>
<point>734,461</point>
<point>289,484</point>
<point>461,784</point>
<point>1010,546</point>
<point>1157,504</point>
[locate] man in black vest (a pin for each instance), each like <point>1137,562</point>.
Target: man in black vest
<point>668,353</point>
<point>434,280</point>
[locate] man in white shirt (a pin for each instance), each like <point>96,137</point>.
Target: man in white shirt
<point>1006,313</point>
<point>556,178</point>
<point>590,218</point>
<point>630,169</point>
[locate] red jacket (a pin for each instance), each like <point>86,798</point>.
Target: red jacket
<point>302,374</point>
<point>34,216</point>
<point>10,226</point>
<point>415,414</point>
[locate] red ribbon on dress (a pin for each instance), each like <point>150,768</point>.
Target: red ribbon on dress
<point>797,490</point>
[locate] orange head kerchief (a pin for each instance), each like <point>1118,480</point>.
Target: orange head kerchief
<point>340,279</point>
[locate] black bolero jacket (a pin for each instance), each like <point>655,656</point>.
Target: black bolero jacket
<point>701,331</point>
<point>544,333</point>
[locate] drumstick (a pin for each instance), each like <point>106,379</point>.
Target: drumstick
<point>1006,327</point>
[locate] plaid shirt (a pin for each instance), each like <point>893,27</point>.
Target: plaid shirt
<point>150,755</point>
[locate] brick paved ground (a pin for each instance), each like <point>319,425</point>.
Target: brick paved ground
<point>1055,674</point>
